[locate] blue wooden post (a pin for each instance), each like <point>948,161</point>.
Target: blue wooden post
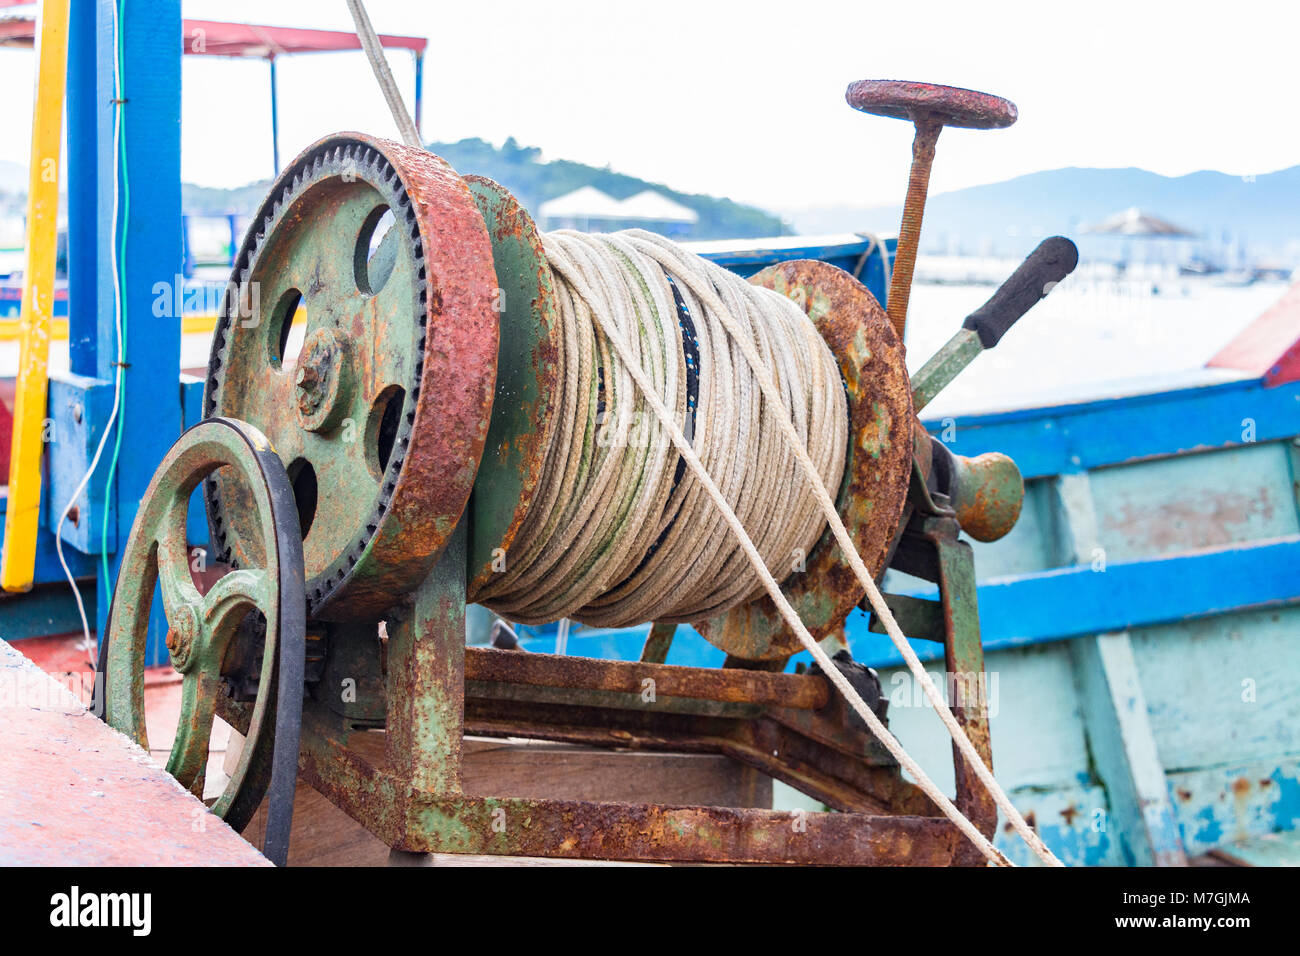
<point>187,251</point>
<point>150,417</point>
<point>233,227</point>
<point>275,121</point>
<point>419,92</point>
<point>83,147</point>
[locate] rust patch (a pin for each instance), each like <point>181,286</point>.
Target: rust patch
<point>730,685</point>
<point>880,447</point>
<point>1212,519</point>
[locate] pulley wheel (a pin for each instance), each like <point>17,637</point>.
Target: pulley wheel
<point>202,628</point>
<point>375,258</point>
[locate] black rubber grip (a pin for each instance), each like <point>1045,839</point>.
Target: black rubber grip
<point>1052,261</point>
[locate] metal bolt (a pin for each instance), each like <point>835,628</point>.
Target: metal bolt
<point>182,636</point>
<point>930,108</point>
<point>309,392</point>
<point>324,381</point>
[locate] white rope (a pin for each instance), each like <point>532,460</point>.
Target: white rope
<point>379,65</point>
<point>615,537</point>
<point>571,275</point>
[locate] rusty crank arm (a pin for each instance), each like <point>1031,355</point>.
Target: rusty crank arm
<point>1052,261</point>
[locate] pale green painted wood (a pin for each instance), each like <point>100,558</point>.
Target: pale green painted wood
<point>1216,805</point>
<point>1034,720</point>
<point>1196,501</point>
<point>1273,849</point>
<point>1072,820</point>
<point>1147,732</point>
<point>1123,748</point>
<point>1124,751</point>
<point>1223,689</point>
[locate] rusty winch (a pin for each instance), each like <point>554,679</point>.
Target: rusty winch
<point>363,494</point>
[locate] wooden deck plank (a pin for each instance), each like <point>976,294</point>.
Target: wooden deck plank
<point>75,792</point>
<point>1270,849</point>
<point>323,835</point>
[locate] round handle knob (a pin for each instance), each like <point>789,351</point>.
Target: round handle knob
<point>987,493</point>
<point>947,105</point>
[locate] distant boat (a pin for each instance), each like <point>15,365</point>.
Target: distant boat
<point>1199,267</point>
<point>1264,272</point>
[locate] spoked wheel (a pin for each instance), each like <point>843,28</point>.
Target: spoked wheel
<point>268,586</point>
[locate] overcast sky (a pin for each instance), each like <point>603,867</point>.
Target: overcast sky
<point>747,99</point>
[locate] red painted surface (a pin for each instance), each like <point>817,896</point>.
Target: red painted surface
<point>6,426</point>
<point>213,38</point>
<point>58,654</point>
<point>76,792</point>
<point>65,658</point>
<point>1270,346</point>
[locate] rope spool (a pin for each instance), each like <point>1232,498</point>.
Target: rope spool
<point>618,533</point>
<point>537,515</point>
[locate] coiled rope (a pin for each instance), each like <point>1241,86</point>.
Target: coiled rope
<point>616,536</point>
<point>575,288</point>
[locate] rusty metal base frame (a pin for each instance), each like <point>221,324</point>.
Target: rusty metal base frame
<point>382,737</point>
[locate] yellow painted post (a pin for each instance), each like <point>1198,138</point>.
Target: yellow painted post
<point>18,564</point>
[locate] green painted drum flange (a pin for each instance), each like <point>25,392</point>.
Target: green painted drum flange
<point>528,379</point>
<point>874,490</point>
<point>203,627</point>
<point>381,418</point>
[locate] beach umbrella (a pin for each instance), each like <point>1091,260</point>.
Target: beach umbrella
<point>1138,224</point>
<point>1133,223</point>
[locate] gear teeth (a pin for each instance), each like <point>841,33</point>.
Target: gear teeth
<point>372,165</point>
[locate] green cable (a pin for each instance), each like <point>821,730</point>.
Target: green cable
<point>121,290</point>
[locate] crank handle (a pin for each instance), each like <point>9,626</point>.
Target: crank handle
<point>1052,261</point>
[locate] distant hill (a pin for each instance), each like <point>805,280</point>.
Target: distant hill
<point>215,201</point>
<point>521,170</point>
<point>1007,218</point>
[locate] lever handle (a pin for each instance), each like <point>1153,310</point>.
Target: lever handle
<point>1052,261</point>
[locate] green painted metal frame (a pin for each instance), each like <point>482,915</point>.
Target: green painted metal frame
<point>405,784</point>
<point>931,549</point>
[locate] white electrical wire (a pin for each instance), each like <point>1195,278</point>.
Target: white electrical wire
<point>92,646</point>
